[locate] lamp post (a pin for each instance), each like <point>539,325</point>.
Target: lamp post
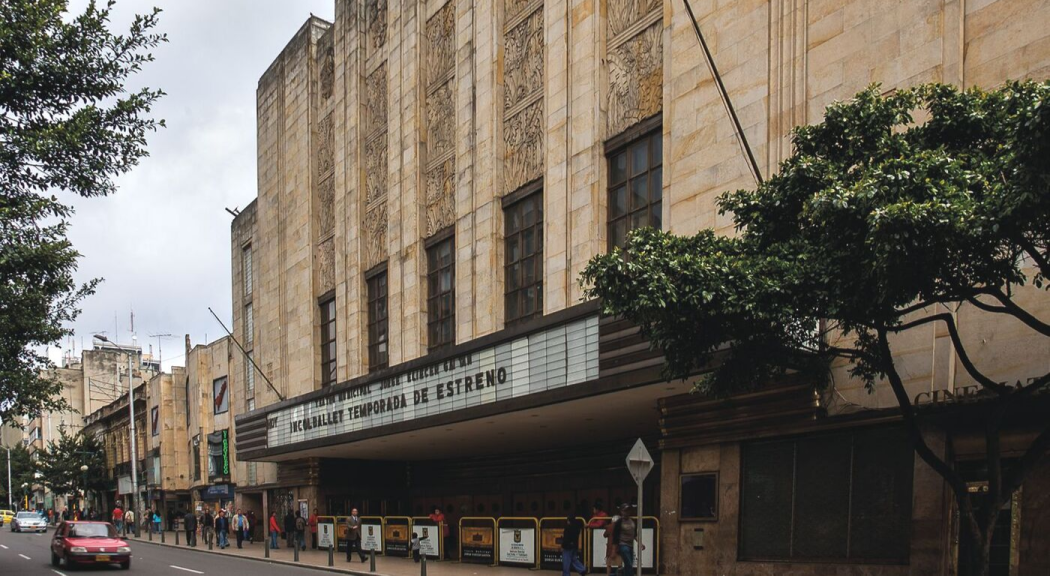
<point>83,470</point>
<point>25,494</point>
<point>131,413</point>
<point>10,496</point>
<point>37,476</point>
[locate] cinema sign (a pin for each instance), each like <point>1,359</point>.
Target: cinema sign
<point>557,357</point>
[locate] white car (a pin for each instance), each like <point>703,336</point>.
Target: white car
<point>28,522</point>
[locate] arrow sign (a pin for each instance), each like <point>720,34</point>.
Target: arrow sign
<point>639,462</point>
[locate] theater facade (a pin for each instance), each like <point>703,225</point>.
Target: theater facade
<point>432,178</point>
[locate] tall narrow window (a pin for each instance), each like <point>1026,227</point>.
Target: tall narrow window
<point>523,266</point>
<point>635,187</point>
<point>249,326</point>
<point>378,335</point>
<point>249,380</point>
<point>441,294</point>
<point>328,342</point>
<point>246,259</point>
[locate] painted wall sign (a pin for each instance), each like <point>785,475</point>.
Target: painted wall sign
<point>554,358</point>
<point>517,545</point>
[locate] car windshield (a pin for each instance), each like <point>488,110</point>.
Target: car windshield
<point>28,515</point>
<point>92,531</point>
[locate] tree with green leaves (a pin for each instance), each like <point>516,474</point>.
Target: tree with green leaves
<point>67,123</point>
<point>889,215</point>
<point>21,471</point>
<point>61,460</point>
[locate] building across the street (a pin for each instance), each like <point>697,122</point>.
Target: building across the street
<point>410,330</point>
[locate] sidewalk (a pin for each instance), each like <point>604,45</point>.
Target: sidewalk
<point>385,566</point>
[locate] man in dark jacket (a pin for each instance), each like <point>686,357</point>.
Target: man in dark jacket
<point>208,526</point>
<point>570,548</point>
<point>189,522</point>
<point>222,529</point>
<point>353,535</point>
<point>289,528</point>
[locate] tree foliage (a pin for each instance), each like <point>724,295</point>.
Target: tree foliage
<point>67,122</point>
<point>889,214</point>
<point>21,471</point>
<point>60,464</point>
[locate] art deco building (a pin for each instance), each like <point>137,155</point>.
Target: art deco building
<point>434,175</point>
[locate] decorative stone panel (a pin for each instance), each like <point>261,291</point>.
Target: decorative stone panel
<point>325,146</point>
<point>635,79</point>
<point>441,49</point>
<point>441,125</point>
<point>326,265</point>
<point>441,209</point>
<point>375,227</point>
<point>375,168</point>
<point>523,139</point>
<point>375,101</point>
<point>327,73</point>
<point>375,33</point>
<point>326,206</point>
<point>523,65</point>
<point>623,13</point>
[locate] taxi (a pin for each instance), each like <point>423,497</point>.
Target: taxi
<point>6,516</point>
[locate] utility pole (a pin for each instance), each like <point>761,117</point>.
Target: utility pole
<point>10,499</point>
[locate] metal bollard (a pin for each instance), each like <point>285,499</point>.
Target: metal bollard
<point>210,539</point>
<point>150,532</point>
<point>422,565</point>
<point>161,536</point>
<point>372,560</point>
<point>331,555</point>
<point>176,537</point>
<point>266,548</point>
<point>296,551</point>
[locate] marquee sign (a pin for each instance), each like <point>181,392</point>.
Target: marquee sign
<point>554,358</point>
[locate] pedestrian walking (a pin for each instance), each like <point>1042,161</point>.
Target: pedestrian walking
<point>189,522</point>
<point>300,530</point>
<point>208,527</point>
<point>275,531</point>
<point>222,529</point>
<point>240,527</point>
<point>570,548</point>
<point>250,532</point>
<point>313,530</point>
<point>156,523</point>
<point>353,535</point>
<point>118,518</point>
<point>129,521</point>
<point>612,545</point>
<point>629,534</point>
<point>289,528</point>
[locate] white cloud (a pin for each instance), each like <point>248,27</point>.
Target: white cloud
<point>162,243</point>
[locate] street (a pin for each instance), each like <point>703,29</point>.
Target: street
<point>29,555</point>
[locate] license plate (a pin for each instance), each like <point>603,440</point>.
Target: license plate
<point>102,559</point>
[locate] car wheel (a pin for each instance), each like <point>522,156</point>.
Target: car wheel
<point>125,565</point>
<point>55,560</point>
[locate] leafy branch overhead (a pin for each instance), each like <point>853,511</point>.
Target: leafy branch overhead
<point>67,122</point>
<point>892,213</point>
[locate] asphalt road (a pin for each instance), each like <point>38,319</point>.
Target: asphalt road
<point>29,555</point>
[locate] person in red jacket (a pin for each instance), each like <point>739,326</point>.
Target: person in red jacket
<point>439,518</point>
<point>275,529</point>
<point>118,518</point>
<point>313,528</point>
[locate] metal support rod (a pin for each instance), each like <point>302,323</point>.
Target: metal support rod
<point>134,455</point>
<point>372,560</point>
<point>296,547</point>
<point>162,535</point>
<point>149,532</point>
<point>422,565</point>
<point>177,538</point>
<point>246,356</point>
<point>638,533</point>
<point>752,164</point>
<point>331,555</point>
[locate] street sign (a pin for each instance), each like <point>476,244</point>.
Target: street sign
<point>639,462</point>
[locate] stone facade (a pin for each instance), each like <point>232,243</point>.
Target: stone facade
<point>398,121</point>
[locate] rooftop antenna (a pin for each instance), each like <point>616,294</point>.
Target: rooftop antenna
<point>160,351</point>
<point>235,212</point>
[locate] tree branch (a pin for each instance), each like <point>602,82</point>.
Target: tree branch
<point>1020,313</point>
<point>1040,259</point>
<point>968,364</point>
<point>919,443</point>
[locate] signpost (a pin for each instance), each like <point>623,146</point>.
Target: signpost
<point>639,464</point>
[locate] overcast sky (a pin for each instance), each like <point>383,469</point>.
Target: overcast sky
<point>162,243</point>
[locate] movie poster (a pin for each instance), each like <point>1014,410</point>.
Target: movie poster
<point>517,546</point>
<point>477,544</point>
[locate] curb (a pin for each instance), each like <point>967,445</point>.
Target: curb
<point>262,559</point>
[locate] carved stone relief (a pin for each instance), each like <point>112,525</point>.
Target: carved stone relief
<point>636,79</point>
<point>623,13</point>
<point>441,208</point>
<point>326,206</point>
<point>375,14</point>
<point>327,73</point>
<point>375,101</point>
<point>441,125</point>
<point>523,141</point>
<point>440,48</point>
<point>523,64</point>
<point>514,8</point>
<point>375,168</point>
<point>375,226</point>
<point>326,265</point>
<point>325,146</point>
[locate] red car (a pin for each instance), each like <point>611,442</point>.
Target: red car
<point>82,543</point>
